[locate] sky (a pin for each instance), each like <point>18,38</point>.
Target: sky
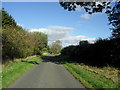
<point>50,18</point>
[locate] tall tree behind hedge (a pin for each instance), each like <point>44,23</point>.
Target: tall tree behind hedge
<point>56,47</point>
<point>41,41</point>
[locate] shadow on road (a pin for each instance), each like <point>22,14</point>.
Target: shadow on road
<point>31,62</point>
<point>57,59</point>
<point>50,58</point>
<point>53,59</point>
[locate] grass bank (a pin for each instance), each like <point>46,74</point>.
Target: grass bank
<point>14,70</point>
<point>93,77</point>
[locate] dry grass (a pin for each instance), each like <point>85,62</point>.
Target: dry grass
<point>9,62</point>
<point>27,58</point>
<point>108,72</point>
<point>106,77</point>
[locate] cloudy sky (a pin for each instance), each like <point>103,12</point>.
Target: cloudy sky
<point>68,26</point>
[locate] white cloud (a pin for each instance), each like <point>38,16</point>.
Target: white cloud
<point>62,33</point>
<point>54,32</point>
<point>74,40</point>
<point>85,16</point>
<point>60,28</point>
<point>44,30</point>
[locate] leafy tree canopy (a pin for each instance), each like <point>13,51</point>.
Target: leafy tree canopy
<point>114,18</point>
<point>17,42</point>
<point>56,47</point>
<point>89,6</point>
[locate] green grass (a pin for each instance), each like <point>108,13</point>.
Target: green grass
<point>15,70</point>
<point>0,79</point>
<point>90,79</point>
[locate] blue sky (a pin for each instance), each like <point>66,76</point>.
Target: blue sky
<point>52,19</point>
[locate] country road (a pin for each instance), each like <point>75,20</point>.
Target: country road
<point>47,74</point>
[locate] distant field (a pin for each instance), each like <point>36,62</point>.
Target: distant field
<point>13,71</point>
<point>93,77</point>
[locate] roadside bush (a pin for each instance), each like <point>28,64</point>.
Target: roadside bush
<point>102,53</point>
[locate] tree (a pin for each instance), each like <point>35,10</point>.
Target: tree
<point>17,42</point>
<point>83,42</point>
<point>102,53</point>
<point>114,18</point>
<point>90,7</point>
<point>41,41</point>
<point>7,20</point>
<point>56,47</point>
<point>113,11</point>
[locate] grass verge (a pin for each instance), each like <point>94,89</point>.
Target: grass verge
<point>0,79</point>
<point>13,71</point>
<point>93,78</point>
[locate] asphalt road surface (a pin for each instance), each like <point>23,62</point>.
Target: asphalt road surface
<point>47,74</point>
